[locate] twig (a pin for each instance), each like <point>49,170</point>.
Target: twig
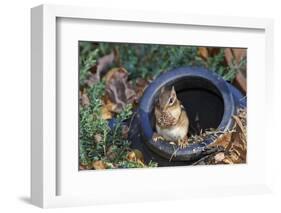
<point>174,153</point>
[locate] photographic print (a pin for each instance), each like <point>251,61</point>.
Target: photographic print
<point>152,105</point>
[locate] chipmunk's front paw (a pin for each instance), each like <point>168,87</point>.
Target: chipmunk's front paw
<point>156,137</point>
<point>182,143</point>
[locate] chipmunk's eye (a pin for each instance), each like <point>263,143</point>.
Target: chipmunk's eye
<point>171,101</point>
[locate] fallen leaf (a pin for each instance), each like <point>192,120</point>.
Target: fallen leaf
<point>104,62</point>
<point>111,153</point>
<point>135,155</point>
<point>228,55</point>
<point>99,165</point>
<point>84,99</point>
<point>212,51</point>
<point>98,138</point>
<point>118,89</point>
<point>108,108</point>
<point>206,52</point>
<point>85,166</point>
<point>239,123</point>
<point>219,157</point>
<point>132,156</point>
<point>223,140</point>
<point>100,69</point>
<point>105,113</point>
<point>239,53</point>
<point>141,82</point>
<point>139,155</point>
<point>234,55</point>
<point>237,149</point>
<point>203,52</point>
<point>110,165</point>
<point>241,82</point>
<point>227,160</point>
<point>81,167</point>
<point>139,88</point>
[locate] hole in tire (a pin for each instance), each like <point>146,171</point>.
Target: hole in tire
<point>202,101</point>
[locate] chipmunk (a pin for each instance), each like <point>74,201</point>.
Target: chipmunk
<point>171,119</point>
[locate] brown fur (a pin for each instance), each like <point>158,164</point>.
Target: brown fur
<point>171,119</point>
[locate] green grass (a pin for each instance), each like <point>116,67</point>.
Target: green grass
<point>148,61</point>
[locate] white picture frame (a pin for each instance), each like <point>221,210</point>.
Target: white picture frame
<point>45,175</point>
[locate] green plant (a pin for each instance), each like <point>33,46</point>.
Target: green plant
<point>233,68</point>
<point>88,55</point>
<point>100,142</point>
<point>92,126</point>
<point>149,60</point>
<point>227,72</point>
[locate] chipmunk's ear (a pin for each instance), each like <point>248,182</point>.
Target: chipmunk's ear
<point>172,97</point>
<point>173,92</point>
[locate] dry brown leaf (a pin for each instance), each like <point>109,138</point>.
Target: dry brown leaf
<point>118,89</point>
<point>141,82</point>
<point>108,108</point>
<point>110,165</point>
<point>111,153</point>
<point>110,74</point>
<point>135,155</point>
<point>105,113</point>
<point>100,69</point>
<point>213,51</point>
<point>241,82</point>
<point>104,62</point>
<point>239,53</point>
<point>239,123</point>
<point>206,52</point>
<point>237,149</point>
<point>85,166</point>
<point>219,157</point>
<point>139,88</point>
<point>234,54</point>
<point>223,140</point>
<point>98,138</point>
<point>84,99</point>
<point>227,160</point>
<point>139,155</point>
<point>81,167</point>
<point>228,55</point>
<point>203,52</point>
<point>99,165</point>
<point>132,156</point>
